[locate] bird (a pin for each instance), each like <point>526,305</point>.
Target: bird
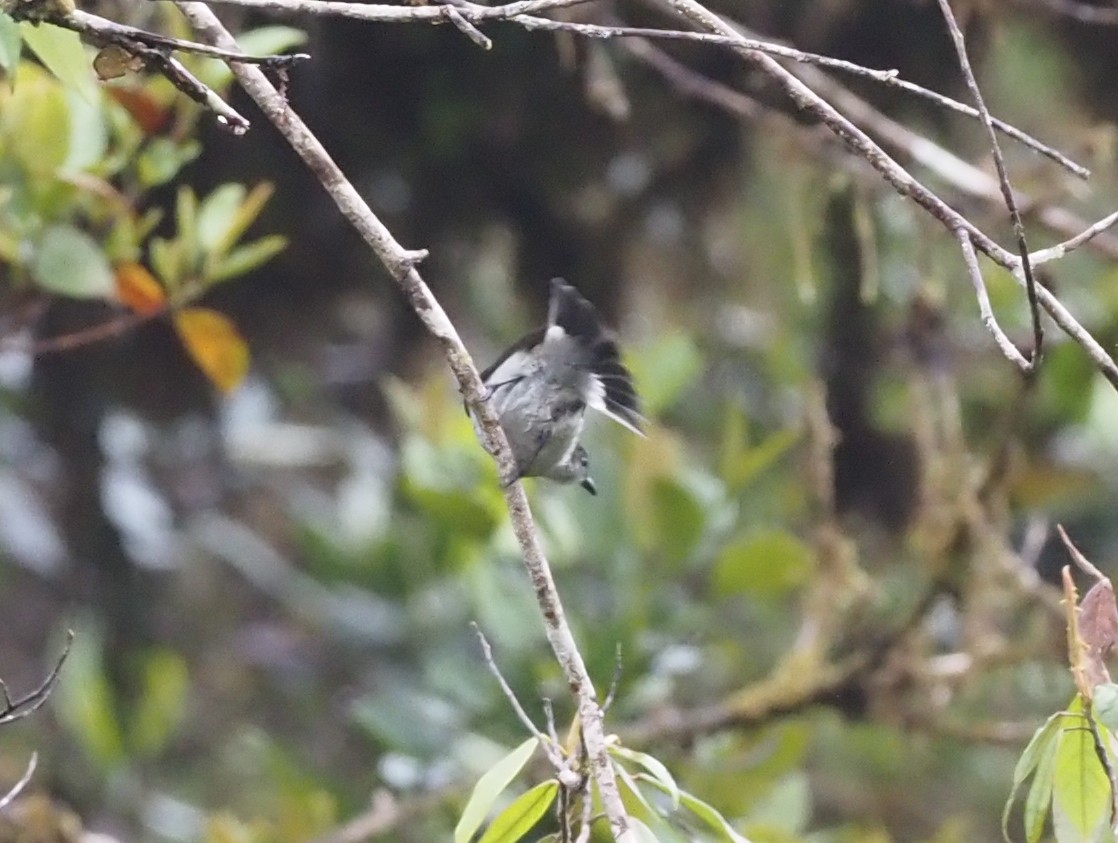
<point>541,386</point>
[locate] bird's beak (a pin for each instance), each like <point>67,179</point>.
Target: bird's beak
<point>589,486</point>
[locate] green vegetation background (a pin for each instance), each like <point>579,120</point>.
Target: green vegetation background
<point>272,590</point>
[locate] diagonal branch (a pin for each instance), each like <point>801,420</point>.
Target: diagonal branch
<point>401,265</point>
<point>861,145</point>
<point>1006,188</point>
<point>988,319</point>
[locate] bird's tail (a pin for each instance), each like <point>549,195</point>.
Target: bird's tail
<point>612,391</point>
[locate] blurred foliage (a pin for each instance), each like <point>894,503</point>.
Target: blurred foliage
<point>272,586</point>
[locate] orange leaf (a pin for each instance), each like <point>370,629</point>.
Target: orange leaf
<point>138,290</point>
<point>142,106</point>
<point>215,344</point>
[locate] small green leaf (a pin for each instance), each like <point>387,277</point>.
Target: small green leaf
<point>489,787</point>
<point>247,257</point>
<point>61,51</point>
<point>766,562</point>
<point>641,832</point>
<point>264,41</point>
<point>1105,703</point>
<point>1044,740</point>
<point>217,212</point>
<point>159,709</point>
<point>70,262</point>
<point>522,815</point>
<point>1039,798</point>
<point>85,701</point>
<point>711,817</point>
<point>755,460</point>
<point>1081,797</point>
<point>247,212</point>
<point>89,136</point>
<point>37,121</point>
<point>161,159</point>
<point>11,44</point>
<point>679,518</point>
<point>655,767</point>
<point>664,369</point>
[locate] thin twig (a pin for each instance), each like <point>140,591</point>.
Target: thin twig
<point>383,13</point>
<point>467,28</point>
<point>902,181</point>
<point>18,787</point>
<point>18,709</point>
<point>104,31</point>
<point>401,265</point>
<point>1003,180</point>
<point>552,749</point>
<point>889,78</point>
<point>526,13</point>
<point>1081,561</point>
<point>1060,249</point>
<point>988,319</point>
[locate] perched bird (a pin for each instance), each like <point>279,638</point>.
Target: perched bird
<point>540,388</point>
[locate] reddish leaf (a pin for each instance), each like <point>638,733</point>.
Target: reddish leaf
<point>215,344</point>
<point>138,290</point>
<point>1098,627</point>
<point>151,115</point>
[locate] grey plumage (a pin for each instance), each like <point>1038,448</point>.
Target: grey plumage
<point>541,386</point>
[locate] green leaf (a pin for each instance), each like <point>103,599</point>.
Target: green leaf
<point>1044,740</point>
<point>678,517</point>
<point>522,815</point>
<point>764,562</point>
<point>1105,704</point>
<point>161,159</point>
<point>1081,797</point>
<point>89,136</point>
<point>701,810</point>
<point>753,461</point>
<point>61,51</point>
<point>264,41</point>
<point>85,701</point>
<point>641,832</point>
<point>709,815</point>
<point>270,40</point>
<point>71,263</point>
<point>216,214</point>
<point>1039,798</point>
<point>37,121</point>
<point>664,369</point>
<point>247,257</point>
<point>247,212</point>
<point>489,787</point>
<point>159,710</point>
<point>654,766</point>
<point>11,43</point>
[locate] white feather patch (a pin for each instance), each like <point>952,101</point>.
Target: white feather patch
<point>597,400</point>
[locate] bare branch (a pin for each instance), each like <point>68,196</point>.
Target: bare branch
<point>382,13</point>
<point>988,319</point>
<point>400,263</point>
<point>1007,193</point>
<point>563,768</point>
<point>18,709</point>
<point>1081,561</point>
<point>103,31</point>
<point>18,787</point>
<point>888,78</point>
<point>1060,249</point>
<point>465,13</point>
<point>902,181</point>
